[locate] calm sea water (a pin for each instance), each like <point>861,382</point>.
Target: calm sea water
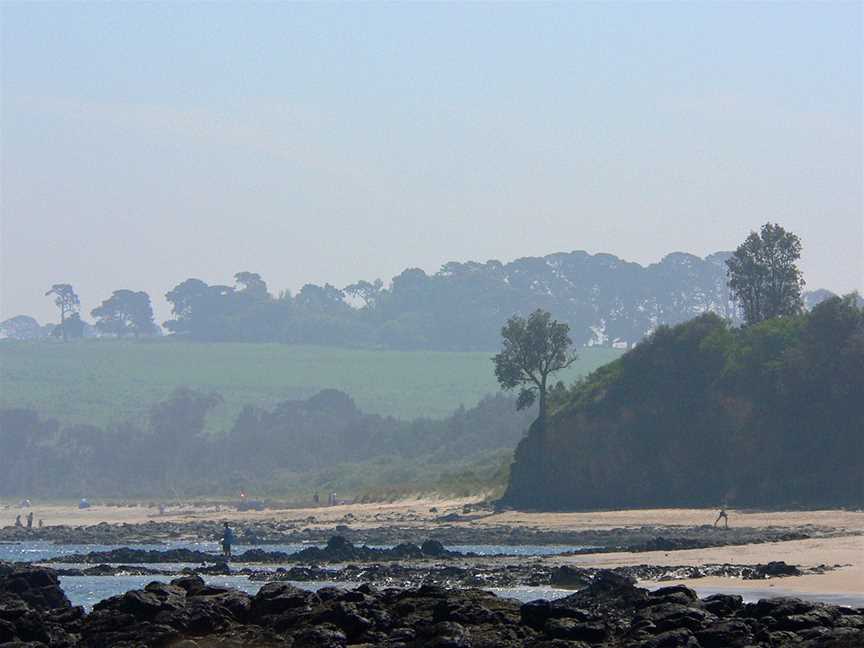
<point>88,590</point>
<point>38,551</point>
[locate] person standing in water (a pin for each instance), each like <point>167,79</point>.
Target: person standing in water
<point>227,540</point>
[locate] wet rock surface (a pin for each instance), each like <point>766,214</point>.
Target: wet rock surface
<point>500,575</point>
<point>338,549</point>
<point>610,611</point>
<point>451,531</point>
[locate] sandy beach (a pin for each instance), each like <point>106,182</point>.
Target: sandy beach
<point>846,550</point>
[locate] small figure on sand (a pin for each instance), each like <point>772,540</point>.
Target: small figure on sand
<point>30,520</point>
<point>41,523</point>
<point>18,521</point>
<point>227,540</point>
<point>722,516</point>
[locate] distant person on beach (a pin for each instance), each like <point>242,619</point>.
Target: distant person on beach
<point>30,520</point>
<point>18,521</point>
<point>41,523</point>
<point>227,540</point>
<point>722,516</point>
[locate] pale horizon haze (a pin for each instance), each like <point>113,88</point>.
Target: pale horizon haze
<point>145,143</point>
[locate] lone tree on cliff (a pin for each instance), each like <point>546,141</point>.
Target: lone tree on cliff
<point>533,349</point>
<point>67,301</point>
<point>763,274</point>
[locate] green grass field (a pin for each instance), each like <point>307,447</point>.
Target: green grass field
<point>100,381</point>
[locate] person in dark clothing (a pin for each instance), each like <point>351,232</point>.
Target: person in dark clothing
<point>18,521</point>
<point>227,540</point>
<point>30,520</point>
<point>722,516</point>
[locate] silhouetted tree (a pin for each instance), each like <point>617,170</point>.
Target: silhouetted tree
<point>72,328</point>
<point>125,313</point>
<point>67,301</point>
<point>533,349</point>
<point>183,299</point>
<point>252,284</point>
<point>764,276</point>
<point>370,293</point>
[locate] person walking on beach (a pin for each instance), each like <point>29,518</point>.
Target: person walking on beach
<point>30,520</point>
<point>722,516</point>
<point>227,540</point>
<point>18,521</point>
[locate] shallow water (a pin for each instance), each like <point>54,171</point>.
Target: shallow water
<point>88,590</point>
<point>40,551</point>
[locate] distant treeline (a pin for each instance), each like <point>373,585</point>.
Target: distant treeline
<point>310,443</point>
<point>702,413</point>
<point>462,307</point>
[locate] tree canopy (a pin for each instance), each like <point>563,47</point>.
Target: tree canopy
<point>125,313</point>
<point>702,412</point>
<point>606,301</point>
<point>67,302</point>
<point>764,276</point>
<point>533,349</point>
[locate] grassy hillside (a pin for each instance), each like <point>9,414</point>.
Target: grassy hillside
<point>99,381</point>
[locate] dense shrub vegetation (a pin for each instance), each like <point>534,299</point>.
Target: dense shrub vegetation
<point>701,413</point>
<point>324,442</point>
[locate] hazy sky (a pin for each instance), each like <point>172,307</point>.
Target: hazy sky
<point>146,143</point>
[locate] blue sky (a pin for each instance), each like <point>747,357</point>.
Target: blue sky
<point>145,143</point>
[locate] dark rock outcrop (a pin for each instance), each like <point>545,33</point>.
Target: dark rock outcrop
<point>338,549</point>
<point>611,611</point>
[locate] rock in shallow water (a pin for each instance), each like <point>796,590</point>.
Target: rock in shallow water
<point>611,611</point>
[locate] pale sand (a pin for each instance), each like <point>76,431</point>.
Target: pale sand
<point>417,512</point>
<point>411,511</point>
<point>848,550</point>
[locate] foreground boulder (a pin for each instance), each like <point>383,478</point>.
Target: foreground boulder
<point>611,611</point>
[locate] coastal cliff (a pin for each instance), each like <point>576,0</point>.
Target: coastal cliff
<point>702,413</point>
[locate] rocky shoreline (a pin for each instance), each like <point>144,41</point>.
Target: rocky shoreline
<point>405,565</point>
<point>337,549</point>
<point>610,611</point>
<point>446,531</point>
<point>468,574</point>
